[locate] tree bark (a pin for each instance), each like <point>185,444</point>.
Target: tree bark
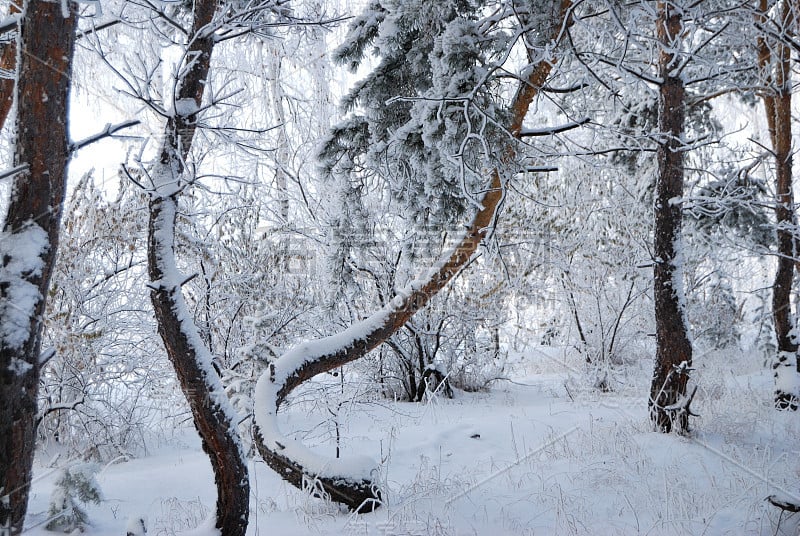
<point>30,239</point>
<point>308,360</point>
<point>774,61</point>
<point>8,62</point>
<point>673,347</point>
<point>213,414</point>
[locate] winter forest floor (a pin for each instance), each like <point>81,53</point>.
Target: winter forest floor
<point>543,453</point>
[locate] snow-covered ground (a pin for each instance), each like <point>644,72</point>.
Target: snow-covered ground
<point>541,454</point>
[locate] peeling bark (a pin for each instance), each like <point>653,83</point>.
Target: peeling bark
<point>673,347</point>
<point>37,195</point>
<point>362,495</point>
<point>8,57</point>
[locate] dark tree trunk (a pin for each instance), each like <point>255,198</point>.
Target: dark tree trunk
<point>33,219</point>
<point>8,62</point>
<point>213,415</point>
<point>668,409</point>
<point>785,217</point>
<point>286,374</point>
<point>207,399</point>
<point>774,60</point>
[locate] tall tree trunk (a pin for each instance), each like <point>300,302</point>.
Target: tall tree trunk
<point>282,156</point>
<point>668,408</point>
<point>292,461</point>
<point>30,238</point>
<point>774,60</point>
<point>213,413</point>
<point>8,63</point>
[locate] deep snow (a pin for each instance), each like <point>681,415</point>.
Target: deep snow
<point>544,454</point>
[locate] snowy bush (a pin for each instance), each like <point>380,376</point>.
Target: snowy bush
<point>714,312</point>
<point>178,516</point>
<point>75,488</point>
<point>97,389</point>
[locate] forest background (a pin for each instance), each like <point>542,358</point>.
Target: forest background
<point>546,204</point>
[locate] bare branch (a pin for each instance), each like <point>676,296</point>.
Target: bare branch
<point>547,131</point>
<point>13,171</point>
<point>107,132</point>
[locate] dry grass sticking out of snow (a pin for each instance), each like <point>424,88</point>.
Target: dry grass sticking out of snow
<point>543,453</point>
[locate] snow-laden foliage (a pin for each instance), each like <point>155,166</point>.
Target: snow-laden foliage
<point>424,120</point>
<point>276,251</point>
<point>105,386</point>
<point>74,489</point>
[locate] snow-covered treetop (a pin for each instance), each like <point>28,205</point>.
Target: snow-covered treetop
<point>424,117</point>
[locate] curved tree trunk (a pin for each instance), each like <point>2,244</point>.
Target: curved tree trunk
<point>213,413</point>
<point>331,477</point>
<point>774,60</point>
<point>669,407</point>
<point>29,241</point>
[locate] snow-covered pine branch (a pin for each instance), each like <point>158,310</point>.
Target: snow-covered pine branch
<point>297,464</point>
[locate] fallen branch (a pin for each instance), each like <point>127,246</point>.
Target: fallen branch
<point>785,505</point>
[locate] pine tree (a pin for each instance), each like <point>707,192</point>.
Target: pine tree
<point>774,56</point>
<point>75,487</point>
<point>29,240</point>
<point>427,120</point>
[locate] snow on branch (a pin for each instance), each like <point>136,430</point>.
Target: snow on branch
<point>168,287</point>
<point>59,407</point>
<point>107,132</point>
<point>786,504</point>
<point>214,415</point>
<point>9,24</point>
<point>351,481</point>
<point>547,131</point>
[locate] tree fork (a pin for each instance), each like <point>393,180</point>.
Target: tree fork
<point>362,495</point>
<point>213,416</point>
